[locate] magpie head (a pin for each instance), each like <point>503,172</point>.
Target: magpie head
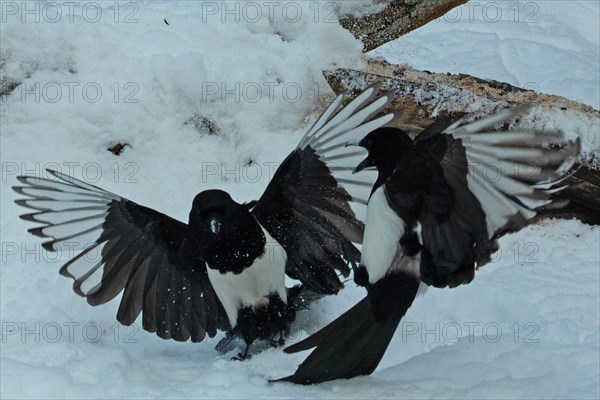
<point>212,211</point>
<point>229,236</point>
<point>384,145</point>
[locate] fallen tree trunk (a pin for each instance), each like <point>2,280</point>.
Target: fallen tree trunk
<point>423,96</point>
<point>397,19</point>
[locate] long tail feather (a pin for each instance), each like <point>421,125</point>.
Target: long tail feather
<point>356,330</point>
<point>355,343</point>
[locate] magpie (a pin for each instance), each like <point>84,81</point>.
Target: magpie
<point>435,211</point>
<point>225,269</point>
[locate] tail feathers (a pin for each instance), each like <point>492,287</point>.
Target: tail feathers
<point>350,346</point>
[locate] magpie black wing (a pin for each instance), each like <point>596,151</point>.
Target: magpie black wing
<point>487,184</point>
<point>126,246</point>
<point>308,205</point>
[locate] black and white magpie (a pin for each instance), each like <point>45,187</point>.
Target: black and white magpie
<point>225,269</point>
<point>433,217</point>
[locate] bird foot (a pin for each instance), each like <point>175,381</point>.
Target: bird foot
<point>241,357</point>
<point>277,343</point>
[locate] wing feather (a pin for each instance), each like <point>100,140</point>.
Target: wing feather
<point>497,181</point>
<point>310,205</point>
<point>150,257</point>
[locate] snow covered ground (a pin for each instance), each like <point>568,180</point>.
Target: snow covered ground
<point>214,97</point>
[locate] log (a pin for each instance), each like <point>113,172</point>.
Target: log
<point>397,19</point>
<point>425,96</point>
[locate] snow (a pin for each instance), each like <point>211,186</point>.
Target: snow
<point>545,46</point>
<point>544,285</point>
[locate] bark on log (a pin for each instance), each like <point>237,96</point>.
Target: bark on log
<point>397,19</point>
<point>424,96</point>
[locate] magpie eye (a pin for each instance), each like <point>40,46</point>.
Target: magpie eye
<point>370,142</point>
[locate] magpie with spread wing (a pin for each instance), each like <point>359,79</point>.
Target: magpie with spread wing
<point>434,214</point>
<point>225,269</point>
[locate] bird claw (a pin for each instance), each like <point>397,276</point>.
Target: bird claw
<point>277,343</point>
<point>241,357</point>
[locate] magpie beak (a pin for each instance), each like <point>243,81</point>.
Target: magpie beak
<point>215,224</point>
<point>366,163</point>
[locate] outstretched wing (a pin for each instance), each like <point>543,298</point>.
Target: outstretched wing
<point>490,183</point>
<point>307,205</point>
<point>126,246</point>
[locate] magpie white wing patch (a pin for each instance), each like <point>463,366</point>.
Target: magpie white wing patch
<point>72,212</point>
<point>512,174</point>
<point>69,212</point>
<point>84,266</point>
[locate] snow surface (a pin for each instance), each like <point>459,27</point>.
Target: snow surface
<point>546,46</point>
<point>527,326</point>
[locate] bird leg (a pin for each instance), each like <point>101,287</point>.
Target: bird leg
<point>278,343</point>
<point>243,356</point>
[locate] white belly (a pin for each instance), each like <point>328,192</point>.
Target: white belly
<point>383,230</point>
<point>253,286</point>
